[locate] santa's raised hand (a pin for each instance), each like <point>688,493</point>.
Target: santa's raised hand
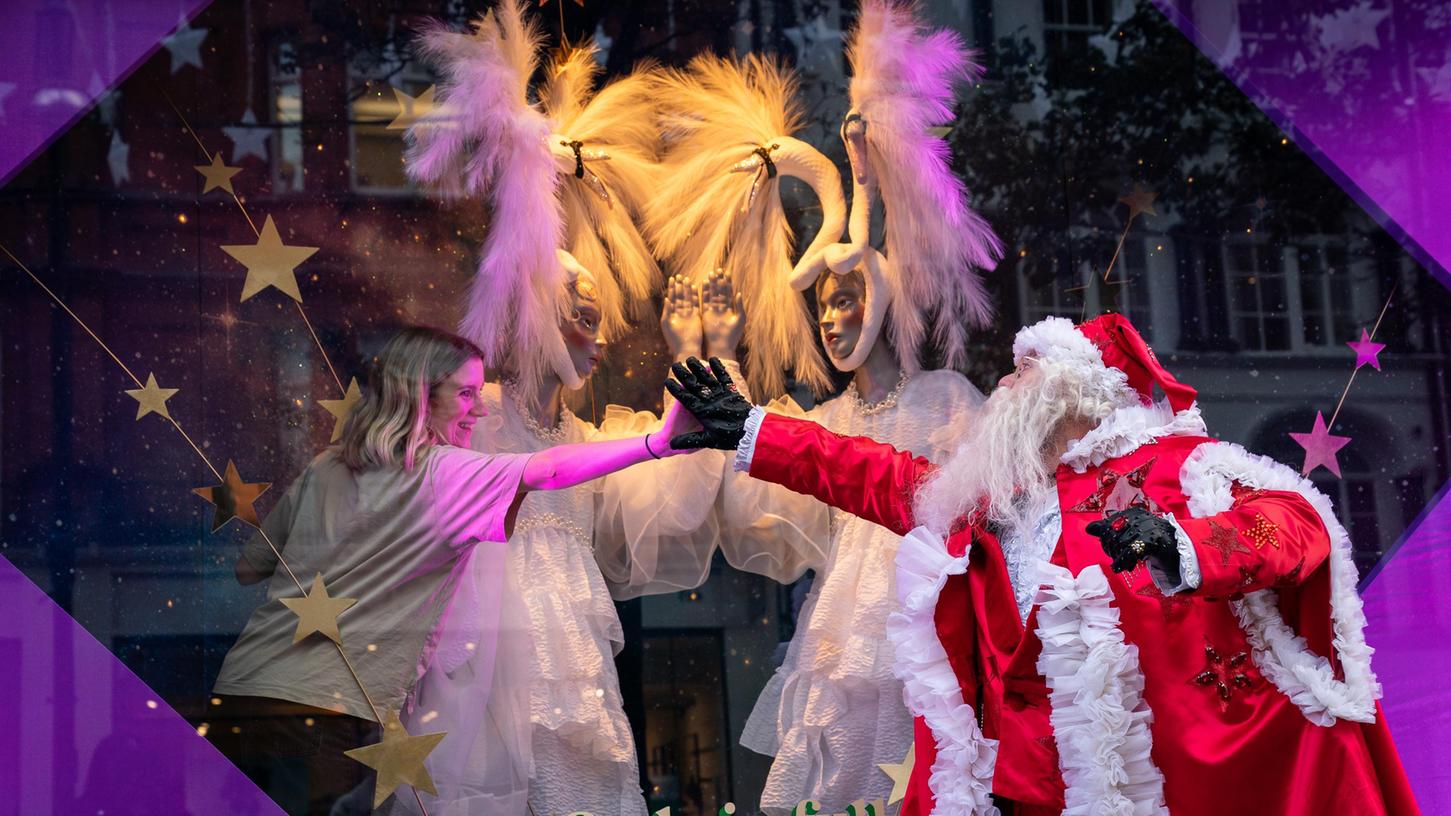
<point>711,396</point>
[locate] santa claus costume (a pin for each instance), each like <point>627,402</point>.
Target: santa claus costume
<point>833,712</point>
<point>1238,681</point>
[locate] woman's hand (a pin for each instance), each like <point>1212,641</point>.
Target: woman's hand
<point>680,318</point>
<point>722,317</point>
<point>677,421</point>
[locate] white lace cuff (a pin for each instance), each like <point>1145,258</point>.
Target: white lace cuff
<point>747,447</point>
<point>1189,575</point>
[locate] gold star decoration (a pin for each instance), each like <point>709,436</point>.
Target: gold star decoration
<point>233,498</point>
<point>411,108</point>
<point>1263,532</point>
<point>270,262</point>
<point>217,174</point>
<point>318,612</point>
<point>1140,201</point>
<point>398,759</point>
<point>340,408</point>
<point>151,398</point>
<point>900,774</point>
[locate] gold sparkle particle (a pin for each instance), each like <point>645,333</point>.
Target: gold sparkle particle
<point>318,612</point>
<point>340,408</point>
<point>270,262</point>
<point>398,759</point>
<point>233,498</point>
<point>217,174</point>
<point>151,398</point>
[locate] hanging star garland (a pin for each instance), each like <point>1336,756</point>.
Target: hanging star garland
<point>340,408</point>
<point>318,612</point>
<point>248,138</point>
<point>900,773</point>
<point>1366,352</point>
<point>1140,201</point>
<point>1320,446</point>
<point>217,174</point>
<point>270,262</point>
<point>411,108</point>
<point>151,398</point>
<point>185,45</point>
<point>398,759</point>
<point>233,498</point>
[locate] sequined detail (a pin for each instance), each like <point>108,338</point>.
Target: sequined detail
<point>1248,575</point>
<point>888,402</point>
<point>1240,493</point>
<point>1263,532</point>
<point>1119,491</point>
<point>1172,607</point>
<point>1225,541</point>
<point>553,521</point>
<point>1224,675</point>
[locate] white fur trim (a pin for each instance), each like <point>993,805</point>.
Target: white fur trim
<point>1189,576</point>
<point>1130,428</point>
<point>1100,718</point>
<point>962,775</point>
<point>1055,338</point>
<point>746,449</point>
<point>1282,656</point>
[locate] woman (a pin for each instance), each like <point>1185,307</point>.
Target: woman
<point>391,517</point>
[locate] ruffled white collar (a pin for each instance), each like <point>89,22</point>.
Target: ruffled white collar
<point>1127,429</point>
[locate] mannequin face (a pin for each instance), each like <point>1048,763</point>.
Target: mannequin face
<point>454,405</point>
<point>841,306</point>
<point>581,330</point>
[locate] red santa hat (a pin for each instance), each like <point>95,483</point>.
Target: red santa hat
<point>1106,347</point>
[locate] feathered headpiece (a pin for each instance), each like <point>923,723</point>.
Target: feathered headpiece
<point>903,78</point>
<point>726,126</point>
<point>563,178</point>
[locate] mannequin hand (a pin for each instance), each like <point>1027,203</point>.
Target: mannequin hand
<point>680,318</point>
<point>1133,535</point>
<point>712,398</point>
<point>722,316</point>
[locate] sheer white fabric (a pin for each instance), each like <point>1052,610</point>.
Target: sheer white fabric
<point>553,733</point>
<point>833,711</point>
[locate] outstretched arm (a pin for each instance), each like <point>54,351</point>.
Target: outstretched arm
<point>855,474</point>
<point>565,466</point>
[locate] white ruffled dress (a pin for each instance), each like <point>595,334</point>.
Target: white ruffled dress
<point>833,711</point>
<point>554,734</point>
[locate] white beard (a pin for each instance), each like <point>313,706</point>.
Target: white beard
<point>1000,462</point>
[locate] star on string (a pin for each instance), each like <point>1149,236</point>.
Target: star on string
<point>340,408</point>
<point>151,397</point>
<point>185,45</point>
<point>1170,606</point>
<point>248,139</point>
<point>1225,542</point>
<point>217,174</point>
<point>118,158</point>
<point>318,612</point>
<point>233,498</point>
<point>398,759</point>
<point>270,262</point>
<point>1140,201</point>
<point>900,773</point>
<point>412,108</point>
<point>1366,352</point>
<point>1320,446</point>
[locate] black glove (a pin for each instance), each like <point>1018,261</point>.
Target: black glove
<point>1133,535</point>
<point>712,398</point>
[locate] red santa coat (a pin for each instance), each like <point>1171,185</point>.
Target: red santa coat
<point>1250,694</point>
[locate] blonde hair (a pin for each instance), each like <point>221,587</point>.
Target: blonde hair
<point>389,425</point>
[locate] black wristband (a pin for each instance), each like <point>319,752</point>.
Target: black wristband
<point>650,450</point>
